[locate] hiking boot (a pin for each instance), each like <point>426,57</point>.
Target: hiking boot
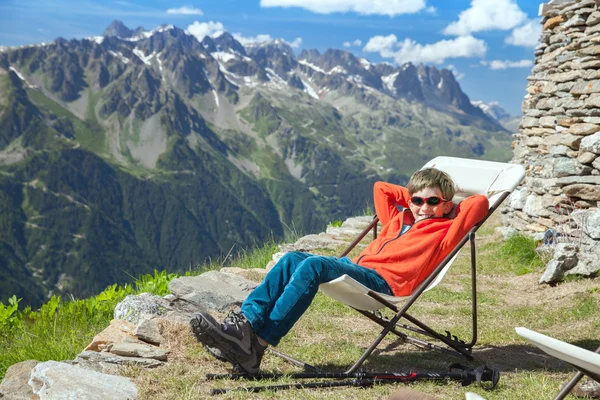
<point>232,340</point>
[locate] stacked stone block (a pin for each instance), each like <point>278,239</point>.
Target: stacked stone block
<point>559,140</point>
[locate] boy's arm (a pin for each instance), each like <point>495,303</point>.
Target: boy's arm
<point>386,196</point>
<point>469,213</point>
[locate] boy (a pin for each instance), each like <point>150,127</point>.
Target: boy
<point>409,247</point>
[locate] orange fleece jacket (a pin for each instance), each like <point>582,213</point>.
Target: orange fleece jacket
<point>407,260</point>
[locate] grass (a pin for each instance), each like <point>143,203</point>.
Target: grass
<point>332,336</point>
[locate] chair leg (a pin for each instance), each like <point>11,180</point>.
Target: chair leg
<point>569,386</point>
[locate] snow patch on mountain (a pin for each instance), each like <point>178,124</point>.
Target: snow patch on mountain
<point>337,70</point>
<point>120,56</point>
<point>309,90</point>
<point>21,77</point>
<point>365,63</point>
<point>147,34</point>
<point>145,59</point>
<point>223,56</point>
<point>275,79</point>
<point>313,66</point>
<point>389,80</point>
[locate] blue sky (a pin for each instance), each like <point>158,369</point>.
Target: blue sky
<point>489,44</point>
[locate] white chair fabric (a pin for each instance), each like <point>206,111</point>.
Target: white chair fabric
<point>588,360</point>
<point>471,177</point>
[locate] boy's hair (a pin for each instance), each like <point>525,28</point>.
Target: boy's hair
<point>432,178</point>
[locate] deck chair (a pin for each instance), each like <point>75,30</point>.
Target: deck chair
<point>587,362</point>
<point>492,179</point>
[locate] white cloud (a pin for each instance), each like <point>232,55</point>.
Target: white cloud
<point>367,7</point>
<point>409,50</point>
<point>264,38</point>
<point>203,29</point>
<point>185,10</point>
<point>527,35</point>
<point>486,15</point>
<point>499,64</point>
<point>431,10</point>
<point>356,43</point>
<point>458,75</point>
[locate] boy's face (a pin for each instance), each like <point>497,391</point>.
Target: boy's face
<point>425,210</point>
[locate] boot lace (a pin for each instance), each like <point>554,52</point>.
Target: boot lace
<point>235,318</point>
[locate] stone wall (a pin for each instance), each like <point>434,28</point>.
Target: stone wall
<point>559,140</point>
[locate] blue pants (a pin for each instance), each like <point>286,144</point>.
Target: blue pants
<point>289,288</point>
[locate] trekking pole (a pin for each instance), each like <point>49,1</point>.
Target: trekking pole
<point>363,379</point>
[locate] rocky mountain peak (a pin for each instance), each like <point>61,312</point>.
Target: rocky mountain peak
<point>118,28</point>
<point>226,42</point>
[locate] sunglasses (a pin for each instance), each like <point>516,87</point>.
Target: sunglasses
<point>432,201</point>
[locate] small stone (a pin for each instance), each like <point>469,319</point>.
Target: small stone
<point>586,87</point>
<point>149,331</point>
<point>586,157</point>
<point>553,22</point>
<point>116,332</point>
<point>593,18</point>
<point>591,143</point>
<point>584,129</point>
<point>575,20</point>
<point>139,350</point>
<point>583,191</point>
<point>548,122</point>
<point>565,258</point>
<point>590,30</point>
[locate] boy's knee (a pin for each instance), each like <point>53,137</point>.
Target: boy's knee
<point>314,263</point>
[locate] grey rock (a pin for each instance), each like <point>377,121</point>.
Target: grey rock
<point>106,357</point>
<point>139,350</point>
<point>15,382</point>
<point>586,157</point>
<point>212,290</point>
<point>569,180</point>
<point>320,241</point>
<point>535,206</point>
<point>518,198</point>
<point>565,258</point>
<point>98,366</point>
<point>583,191</point>
<point>593,18</point>
<point>350,227</point>
<point>149,331</point>
<point>590,64</point>
<point>136,308</point>
<point>571,141</point>
<point>592,226</point>
<point>584,129</point>
<point>590,30</point>
<point>588,263</point>
<point>533,141</point>
<point>591,74</point>
<point>55,380</point>
<point>566,76</point>
<point>558,150</point>
<point>586,87</point>
<point>565,166</point>
<point>549,121</point>
<point>577,6</point>
<point>596,164</point>
<point>540,185</point>
<point>592,120</point>
<point>591,143</point>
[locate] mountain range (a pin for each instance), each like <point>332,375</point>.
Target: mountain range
<point>140,150</point>
<point>495,111</point>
